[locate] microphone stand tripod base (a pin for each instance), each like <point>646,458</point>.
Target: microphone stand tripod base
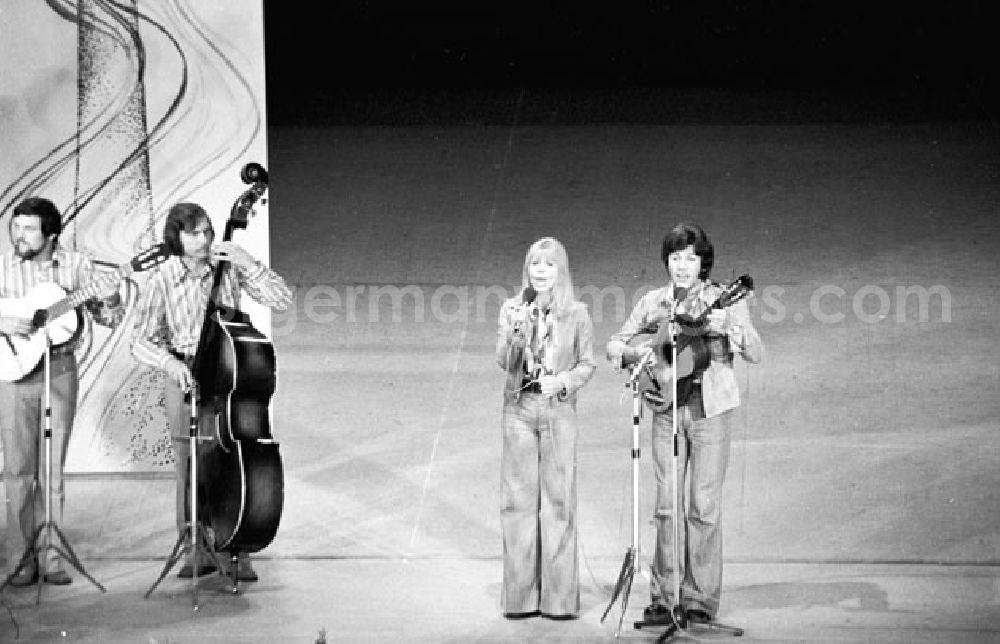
<point>181,548</point>
<point>34,554</point>
<point>679,621</point>
<point>623,587</point>
<point>194,540</point>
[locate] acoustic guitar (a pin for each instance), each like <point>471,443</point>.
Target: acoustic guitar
<point>49,307</point>
<point>693,357</point>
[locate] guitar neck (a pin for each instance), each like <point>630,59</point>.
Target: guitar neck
<point>79,296</point>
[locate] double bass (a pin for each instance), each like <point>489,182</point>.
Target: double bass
<point>693,355</point>
<point>235,370</point>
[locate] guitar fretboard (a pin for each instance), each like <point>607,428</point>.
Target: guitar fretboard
<point>79,296</point>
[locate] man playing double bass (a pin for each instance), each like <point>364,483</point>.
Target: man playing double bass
<point>703,425</point>
<point>171,316</point>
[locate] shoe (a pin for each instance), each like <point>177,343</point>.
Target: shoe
<point>244,569</point>
<point>203,569</point>
<point>656,613</point>
<point>57,578</point>
<point>532,613</point>
<point>698,616</point>
<point>26,577</point>
<point>561,617</point>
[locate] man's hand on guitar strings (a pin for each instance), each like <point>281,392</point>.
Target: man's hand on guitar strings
<point>15,326</point>
<point>718,321</point>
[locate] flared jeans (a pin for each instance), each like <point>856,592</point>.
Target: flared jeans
<point>703,456</point>
<point>538,507</point>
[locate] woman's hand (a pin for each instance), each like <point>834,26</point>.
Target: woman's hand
<point>550,385</point>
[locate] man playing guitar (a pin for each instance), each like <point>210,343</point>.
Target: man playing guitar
<point>37,260</point>
<point>703,422</point>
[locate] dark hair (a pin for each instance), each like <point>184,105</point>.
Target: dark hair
<point>44,210</point>
<point>182,216</point>
<point>684,235</point>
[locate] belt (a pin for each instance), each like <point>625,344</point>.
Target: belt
<point>63,349</point>
<point>531,386</point>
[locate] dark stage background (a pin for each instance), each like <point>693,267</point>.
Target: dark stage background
<point>445,62</point>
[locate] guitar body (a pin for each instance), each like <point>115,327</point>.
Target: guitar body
<point>656,379</point>
<point>47,304</point>
<point>693,356</point>
<point>19,355</point>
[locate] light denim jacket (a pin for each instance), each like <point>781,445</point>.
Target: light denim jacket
<point>573,362</point>
<point>719,390</point>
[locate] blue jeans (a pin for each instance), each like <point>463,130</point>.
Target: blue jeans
<point>703,455</point>
<point>538,506</point>
<point>22,404</point>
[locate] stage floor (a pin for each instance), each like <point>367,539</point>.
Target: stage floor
<point>861,502</point>
<point>450,599</point>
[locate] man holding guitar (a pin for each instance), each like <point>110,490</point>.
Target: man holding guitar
<point>169,325</point>
<point>720,321</point>
<point>37,264</point>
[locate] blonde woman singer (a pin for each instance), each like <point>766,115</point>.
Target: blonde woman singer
<point>545,344</point>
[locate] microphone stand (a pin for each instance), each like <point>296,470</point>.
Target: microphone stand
<point>679,619</point>
<point>35,552</point>
<point>194,540</point>
<point>623,587</point>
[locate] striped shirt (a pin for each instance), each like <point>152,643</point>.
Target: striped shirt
<point>69,269</point>
<point>172,310</point>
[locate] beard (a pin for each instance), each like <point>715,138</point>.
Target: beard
<point>25,252</point>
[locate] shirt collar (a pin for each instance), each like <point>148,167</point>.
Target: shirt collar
<point>198,273</point>
<point>697,289</point>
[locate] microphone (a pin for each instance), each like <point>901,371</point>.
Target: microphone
<point>527,298</point>
<point>680,294</point>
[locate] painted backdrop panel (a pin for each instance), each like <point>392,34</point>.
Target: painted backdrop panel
<point>116,111</point>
